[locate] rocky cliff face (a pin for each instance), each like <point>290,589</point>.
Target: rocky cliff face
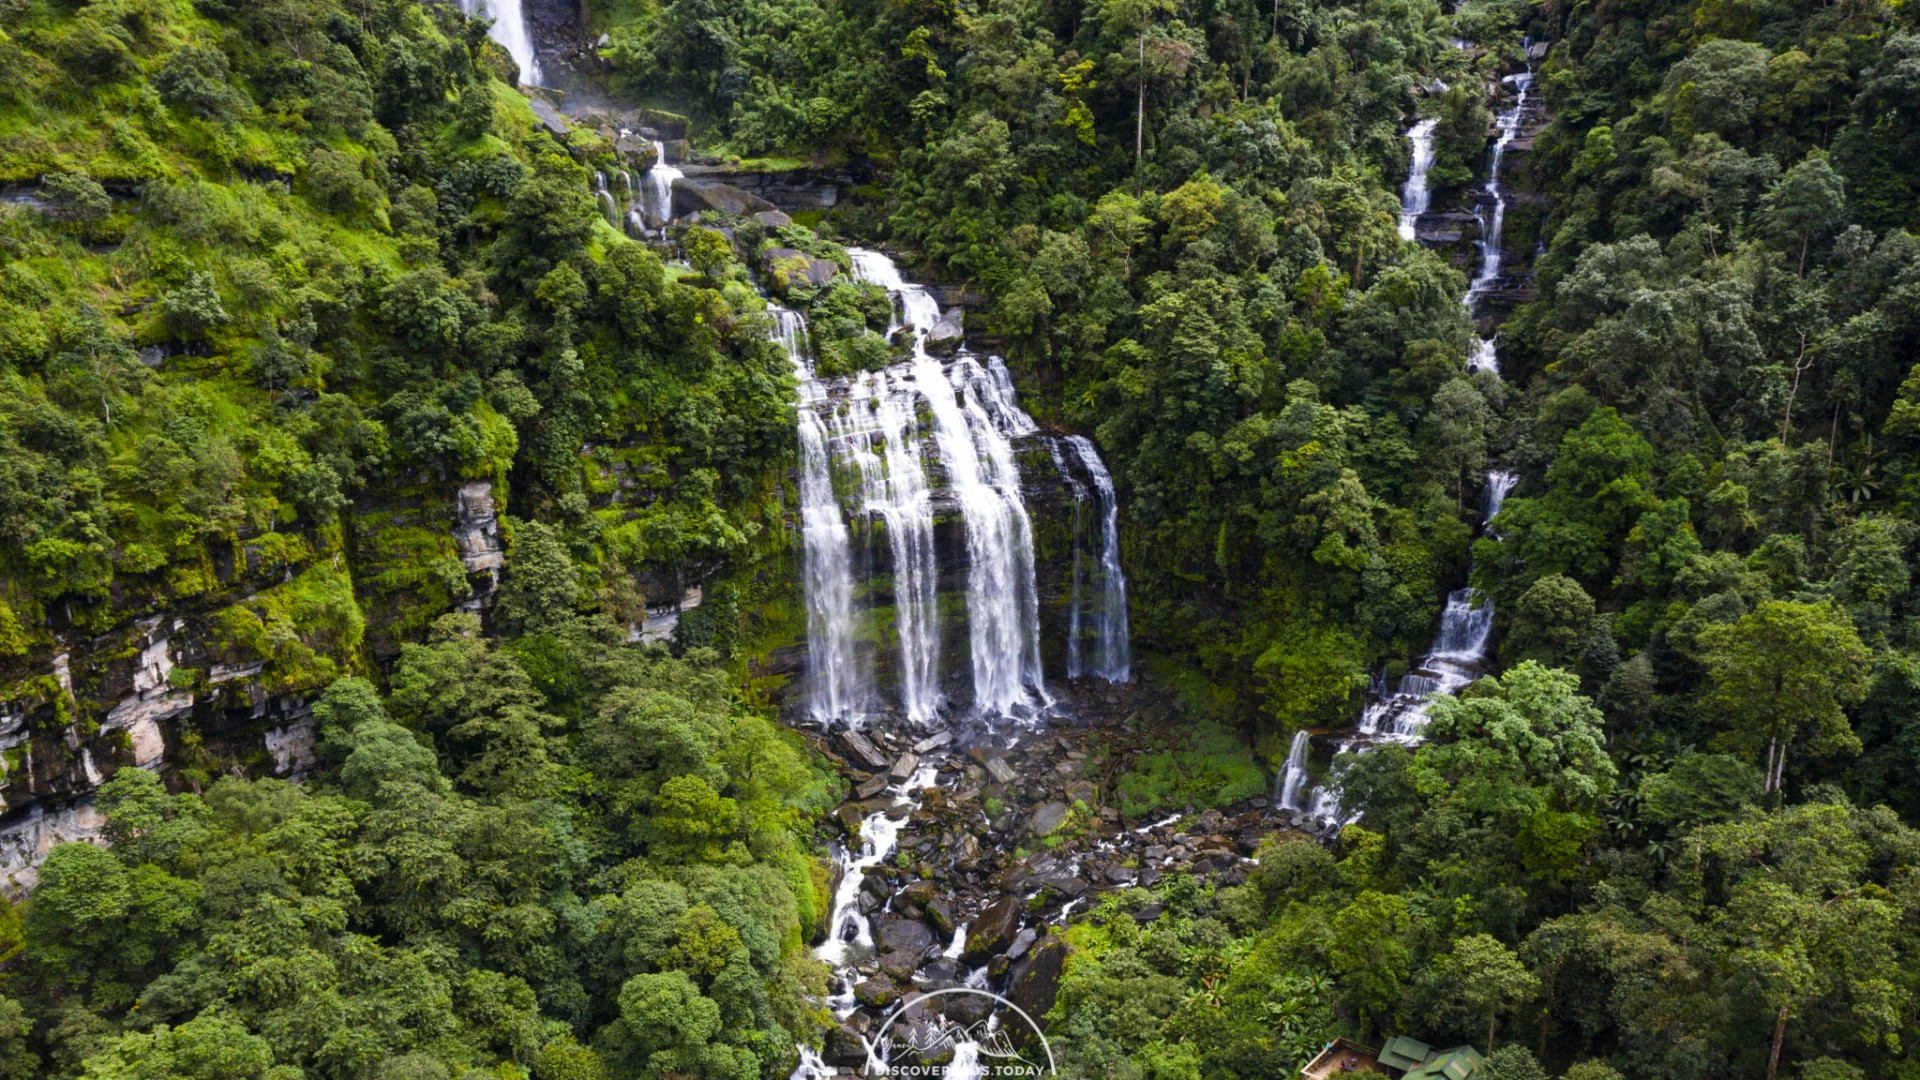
<point>212,673</point>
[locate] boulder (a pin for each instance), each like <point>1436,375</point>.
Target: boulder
<point>773,219</point>
<point>910,935</point>
<point>1021,943</point>
<point>947,335</point>
<point>966,1009</point>
<point>878,993</point>
<point>712,197</point>
<point>941,917</point>
<point>862,750</point>
<point>899,964</point>
<point>933,742</point>
<point>992,930</point>
<point>1035,981</point>
<point>1048,818</point>
<point>966,853</point>
<point>844,1047</point>
<point>849,815</point>
<point>872,787</point>
<point>903,768</point>
<point>1001,772</point>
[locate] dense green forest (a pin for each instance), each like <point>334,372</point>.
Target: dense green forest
<point>274,275</point>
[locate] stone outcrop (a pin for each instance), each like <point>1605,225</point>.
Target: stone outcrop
<point>712,197</point>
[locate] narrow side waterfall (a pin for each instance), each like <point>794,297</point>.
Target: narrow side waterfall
<point>1485,356</point>
<point>608,208</point>
<point>1414,196</point>
<point>1076,667</point>
<point>1113,650</point>
<point>1293,782</point>
<point>659,185</point>
<point>510,30</point>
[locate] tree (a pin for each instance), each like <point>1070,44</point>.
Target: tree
<point>1784,667</point>
<point>1808,202</point>
<point>540,587</point>
<point>1456,428</point>
<point>1551,621</point>
<point>1485,976</point>
<point>1370,953</point>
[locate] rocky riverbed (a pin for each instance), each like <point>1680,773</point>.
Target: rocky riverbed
<point>969,849</point>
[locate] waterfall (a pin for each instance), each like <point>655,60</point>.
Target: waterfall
<point>1294,781</point>
<point>659,183</point>
<point>1075,668</point>
<point>1414,196</point>
<point>836,676</point>
<point>975,417</point>
<point>1114,651</point>
<point>510,30</point>
<point>1485,356</point>
<point>609,208</point>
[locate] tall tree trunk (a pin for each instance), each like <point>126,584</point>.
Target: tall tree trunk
<point>1779,1036</point>
<point>1140,111</point>
<point>1491,1014</point>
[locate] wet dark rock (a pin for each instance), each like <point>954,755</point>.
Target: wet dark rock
<point>915,937</point>
<point>941,916</point>
<point>871,788</point>
<point>900,964</point>
<point>1121,875</point>
<point>1035,981</point>
<point>1149,913</point>
<point>1065,884</point>
<point>878,993</point>
<point>1048,818</point>
<point>850,817</point>
<point>862,749</point>
<point>707,196</point>
<point>903,768</point>
<point>844,1047</point>
<point>919,893</point>
<point>1001,772</point>
<point>1021,943</point>
<point>968,1009</point>
<point>966,853</point>
<point>993,929</point>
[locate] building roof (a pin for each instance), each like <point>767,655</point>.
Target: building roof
<point>1403,1052</point>
<point>1459,1063</point>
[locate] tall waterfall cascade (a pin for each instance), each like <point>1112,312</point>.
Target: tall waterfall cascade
<point>1460,649</point>
<point>1414,196</point>
<point>885,456</point>
<point>510,30</point>
<point>659,185</point>
<point>1103,618</point>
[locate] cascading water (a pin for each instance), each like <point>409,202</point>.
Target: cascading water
<point>1113,651</point>
<point>608,208</point>
<point>1493,221</point>
<point>1293,783</point>
<point>1414,196</point>
<point>510,30</point>
<point>659,185</point>
<point>1075,667</point>
<point>974,419</point>
<point>836,675</point>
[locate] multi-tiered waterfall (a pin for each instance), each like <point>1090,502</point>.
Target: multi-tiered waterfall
<point>510,30</point>
<point>1459,651</point>
<point>887,457</point>
<point>1493,215</point>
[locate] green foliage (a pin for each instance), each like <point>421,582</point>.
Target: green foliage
<point>1213,769</point>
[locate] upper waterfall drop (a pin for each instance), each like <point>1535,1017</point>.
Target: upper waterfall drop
<point>1414,197</point>
<point>659,185</point>
<point>1113,648</point>
<point>510,30</point>
<point>1486,355</point>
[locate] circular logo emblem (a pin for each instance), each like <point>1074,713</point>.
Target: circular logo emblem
<point>983,1048</point>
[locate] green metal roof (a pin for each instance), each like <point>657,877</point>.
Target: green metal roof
<point>1459,1063</point>
<point>1402,1052</point>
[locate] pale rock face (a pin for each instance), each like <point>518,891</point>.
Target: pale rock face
<point>153,701</point>
<point>292,748</point>
<point>24,844</point>
<point>476,532</point>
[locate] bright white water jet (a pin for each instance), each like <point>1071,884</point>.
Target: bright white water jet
<point>608,208</point>
<point>1294,781</point>
<point>1075,668</point>
<point>836,677</point>
<point>510,30</point>
<point>1414,196</point>
<point>1113,652</point>
<point>660,180</point>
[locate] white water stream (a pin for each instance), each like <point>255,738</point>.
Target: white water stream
<point>510,30</point>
